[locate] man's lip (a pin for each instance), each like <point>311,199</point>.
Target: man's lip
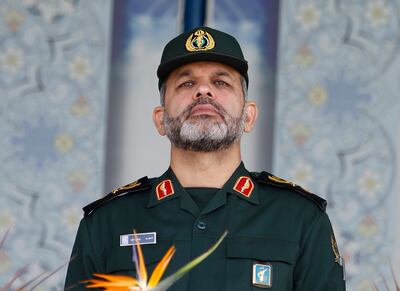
<point>204,109</point>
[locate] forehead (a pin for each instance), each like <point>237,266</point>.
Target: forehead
<point>204,68</point>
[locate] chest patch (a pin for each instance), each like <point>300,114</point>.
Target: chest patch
<point>262,275</point>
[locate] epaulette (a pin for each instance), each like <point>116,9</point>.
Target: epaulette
<point>267,178</point>
<point>137,186</point>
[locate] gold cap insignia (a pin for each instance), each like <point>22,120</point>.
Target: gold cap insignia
<point>200,40</point>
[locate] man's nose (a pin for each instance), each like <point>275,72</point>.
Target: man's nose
<point>204,90</point>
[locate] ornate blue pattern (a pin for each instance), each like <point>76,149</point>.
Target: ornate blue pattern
<point>337,104</point>
<point>53,79</point>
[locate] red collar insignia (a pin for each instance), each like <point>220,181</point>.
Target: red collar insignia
<point>164,189</point>
<point>244,186</point>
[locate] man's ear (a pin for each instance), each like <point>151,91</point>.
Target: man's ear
<point>251,115</point>
<point>158,119</point>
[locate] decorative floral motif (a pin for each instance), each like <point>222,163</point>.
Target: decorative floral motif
<point>308,16</point>
<point>13,18</point>
<point>377,13</point>
<point>79,69</point>
<point>368,227</point>
<point>12,60</point>
<point>370,184</point>
<point>80,107</point>
<point>63,142</point>
<point>77,180</point>
<point>317,96</point>
<point>304,56</point>
<point>300,133</point>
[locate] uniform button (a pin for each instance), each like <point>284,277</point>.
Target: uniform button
<point>201,225</point>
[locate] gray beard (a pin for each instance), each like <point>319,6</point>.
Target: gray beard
<point>204,133</point>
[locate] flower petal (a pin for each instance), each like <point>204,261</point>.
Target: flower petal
<point>161,267</point>
<point>111,281</point>
<point>166,283</point>
<point>139,262</point>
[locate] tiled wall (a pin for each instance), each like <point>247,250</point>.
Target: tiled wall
<point>337,119</point>
<point>54,59</point>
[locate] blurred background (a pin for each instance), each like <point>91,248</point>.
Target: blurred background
<point>78,84</point>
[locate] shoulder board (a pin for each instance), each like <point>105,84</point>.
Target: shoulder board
<point>137,186</point>
<point>267,178</point>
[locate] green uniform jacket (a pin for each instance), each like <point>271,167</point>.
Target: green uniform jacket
<point>272,224</point>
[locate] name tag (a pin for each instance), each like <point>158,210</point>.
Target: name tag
<point>138,239</point>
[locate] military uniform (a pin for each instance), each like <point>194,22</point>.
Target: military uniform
<point>279,236</point>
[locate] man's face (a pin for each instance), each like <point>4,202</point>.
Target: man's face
<point>204,107</point>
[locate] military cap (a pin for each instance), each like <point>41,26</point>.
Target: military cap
<point>201,44</point>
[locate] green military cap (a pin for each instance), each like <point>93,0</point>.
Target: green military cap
<point>201,44</point>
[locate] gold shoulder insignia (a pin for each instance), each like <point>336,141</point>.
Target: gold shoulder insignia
<point>335,249</point>
<point>129,186</point>
<point>139,185</point>
<point>283,181</point>
<point>267,178</point>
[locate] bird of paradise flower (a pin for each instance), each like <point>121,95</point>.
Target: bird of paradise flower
<point>127,283</point>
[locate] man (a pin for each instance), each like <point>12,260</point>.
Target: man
<point>279,236</point>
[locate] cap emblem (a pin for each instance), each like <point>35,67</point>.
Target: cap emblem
<point>200,40</point>
<point>244,186</point>
<point>164,189</point>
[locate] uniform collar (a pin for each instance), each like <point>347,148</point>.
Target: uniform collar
<point>243,185</point>
<point>167,177</point>
<point>240,184</point>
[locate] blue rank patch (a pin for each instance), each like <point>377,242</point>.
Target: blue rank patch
<point>262,275</point>
<point>138,239</point>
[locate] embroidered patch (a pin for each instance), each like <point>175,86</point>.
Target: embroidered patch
<point>164,189</point>
<point>262,275</point>
<point>244,186</point>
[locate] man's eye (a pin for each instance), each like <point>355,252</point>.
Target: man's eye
<point>187,84</point>
<point>221,83</point>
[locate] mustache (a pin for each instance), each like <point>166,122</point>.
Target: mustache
<point>203,101</point>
